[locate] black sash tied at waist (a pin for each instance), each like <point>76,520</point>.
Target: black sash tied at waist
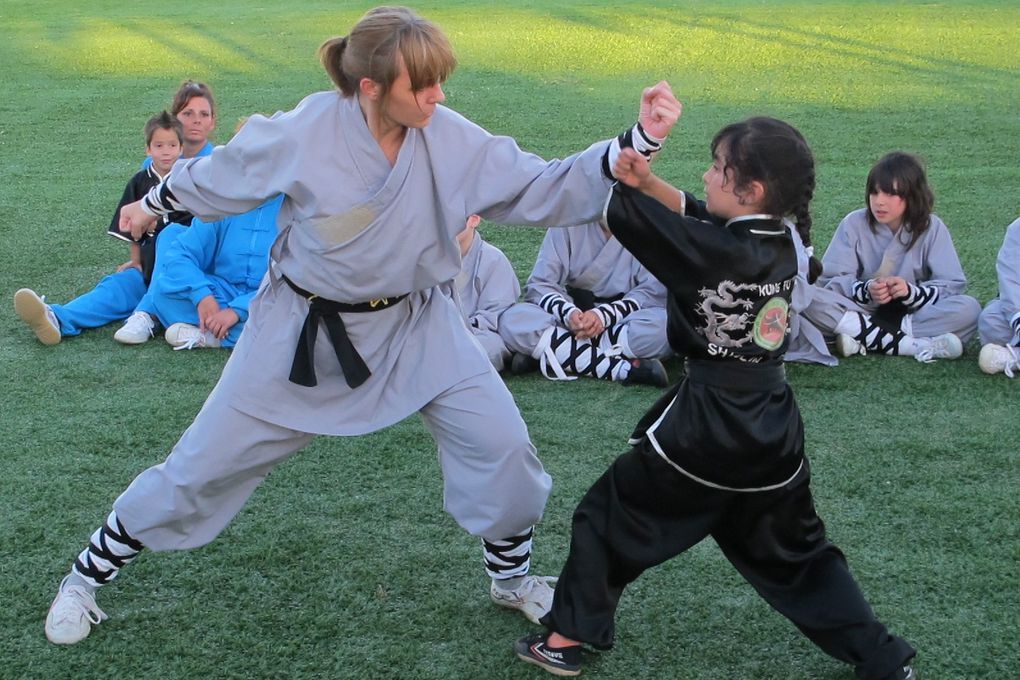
<point>736,376</point>
<point>302,370</point>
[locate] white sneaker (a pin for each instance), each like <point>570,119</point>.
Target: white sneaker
<point>533,597</point>
<point>137,329</point>
<point>34,311</point>
<point>945,346</point>
<point>186,336</point>
<point>72,615</point>
<point>999,359</point>
<point>848,346</point>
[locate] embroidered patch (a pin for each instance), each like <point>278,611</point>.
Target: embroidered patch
<point>771,322</point>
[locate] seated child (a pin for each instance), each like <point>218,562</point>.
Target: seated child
<point>722,453</point>
<point>487,286</point>
<point>590,308</point>
<point>116,295</point>
<point>999,323</point>
<point>194,106</point>
<point>899,281</point>
<point>207,275</point>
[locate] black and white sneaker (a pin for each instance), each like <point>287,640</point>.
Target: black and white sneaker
<point>905,673</point>
<point>521,364</point>
<point>562,661</point>
<point>647,372</point>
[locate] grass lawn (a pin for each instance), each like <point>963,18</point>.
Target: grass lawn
<point>343,564</point>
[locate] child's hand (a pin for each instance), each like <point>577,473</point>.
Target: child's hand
<point>135,221</point>
<point>130,264</point>
<point>220,323</point>
<point>879,291</point>
<point>591,325</point>
<point>631,168</point>
<point>897,287</point>
<point>660,110</point>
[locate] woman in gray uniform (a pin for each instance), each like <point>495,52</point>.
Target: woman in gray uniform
<point>377,179</point>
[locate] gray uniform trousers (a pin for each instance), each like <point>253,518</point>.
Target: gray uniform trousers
<point>494,485</point>
<point>993,324</point>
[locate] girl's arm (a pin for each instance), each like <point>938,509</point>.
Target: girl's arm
<point>632,169</point>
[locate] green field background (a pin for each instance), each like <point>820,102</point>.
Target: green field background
<point>343,565</point>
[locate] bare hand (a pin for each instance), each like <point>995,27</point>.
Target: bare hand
<point>135,221</point>
<point>660,110</point>
<point>130,264</point>
<point>878,291</point>
<point>220,323</point>
<point>631,168</point>
<point>897,287</point>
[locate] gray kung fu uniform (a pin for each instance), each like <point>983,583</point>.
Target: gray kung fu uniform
<point>1000,319</point>
<point>586,259</point>
<point>354,229</point>
<point>807,343</point>
<point>856,255</point>
<point>487,287</point>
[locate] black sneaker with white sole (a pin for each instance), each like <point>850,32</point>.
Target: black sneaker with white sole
<point>647,372</point>
<point>905,673</point>
<point>562,661</point>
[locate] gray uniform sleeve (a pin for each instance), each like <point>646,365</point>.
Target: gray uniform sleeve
<point>1007,267</point>
<point>942,263</point>
<point>648,291</point>
<point>841,266</point>
<point>241,175</point>
<point>549,275</point>
<point>498,289</point>
<point>506,185</point>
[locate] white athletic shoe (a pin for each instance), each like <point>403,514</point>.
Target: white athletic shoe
<point>999,359</point>
<point>945,346</point>
<point>533,597</point>
<point>186,336</point>
<point>848,346</point>
<point>137,329</point>
<point>72,615</point>
<point>34,311</point>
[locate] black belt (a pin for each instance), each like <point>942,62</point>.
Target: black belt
<point>302,370</point>
<point>738,377</point>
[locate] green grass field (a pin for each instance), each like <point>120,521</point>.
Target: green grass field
<point>343,565</point>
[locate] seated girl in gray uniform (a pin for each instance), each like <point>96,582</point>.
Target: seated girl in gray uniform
<point>590,309</point>
<point>117,294</point>
<point>377,178</point>
<point>722,453</point>
<point>487,286</point>
<point>899,283</point>
<point>207,274</point>
<point>999,323</point>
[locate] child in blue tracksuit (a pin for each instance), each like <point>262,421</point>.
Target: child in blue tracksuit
<point>207,275</point>
<point>115,295</point>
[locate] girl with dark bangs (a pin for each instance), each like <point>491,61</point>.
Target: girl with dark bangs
<point>722,453</point>
<point>898,284</point>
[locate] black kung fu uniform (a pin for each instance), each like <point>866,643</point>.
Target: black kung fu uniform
<point>137,187</point>
<point>722,453</point>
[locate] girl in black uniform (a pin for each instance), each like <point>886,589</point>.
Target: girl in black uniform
<point>722,453</point>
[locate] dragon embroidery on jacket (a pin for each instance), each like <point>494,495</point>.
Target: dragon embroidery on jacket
<point>720,309</point>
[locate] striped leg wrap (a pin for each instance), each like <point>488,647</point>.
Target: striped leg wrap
<point>874,338</point>
<point>110,548</point>
<point>510,557</point>
<point>581,357</point>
